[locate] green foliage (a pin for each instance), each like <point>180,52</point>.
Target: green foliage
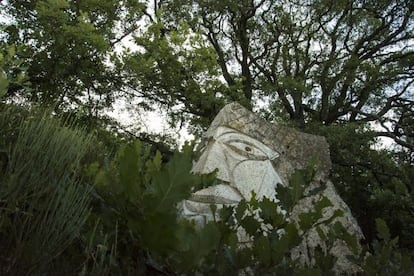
<point>290,194</point>
<point>192,57</point>
<point>42,202</point>
<point>269,234</point>
<point>65,46</point>
<point>142,194</point>
<point>374,183</point>
<point>198,54</point>
<point>12,72</point>
<point>135,228</point>
<point>386,259</point>
<point>139,195</point>
<point>175,67</point>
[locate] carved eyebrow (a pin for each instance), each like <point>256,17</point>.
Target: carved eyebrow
<point>230,132</point>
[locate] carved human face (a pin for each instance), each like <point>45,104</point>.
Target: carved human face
<point>243,162</point>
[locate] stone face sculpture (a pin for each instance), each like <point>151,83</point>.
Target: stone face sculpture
<point>244,165</point>
<point>251,154</point>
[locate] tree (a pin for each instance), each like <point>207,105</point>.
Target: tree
<point>320,61</point>
<point>309,61</point>
<point>66,47</point>
<point>318,64</point>
<point>341,69</point>
<point>171,68</point>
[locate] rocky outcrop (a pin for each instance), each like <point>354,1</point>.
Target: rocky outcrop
<point>254,155</point>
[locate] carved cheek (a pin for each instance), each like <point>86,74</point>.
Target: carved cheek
<point>257,176</point>
<point>213,157</point>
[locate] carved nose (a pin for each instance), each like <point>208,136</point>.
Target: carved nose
<point>211,159</point>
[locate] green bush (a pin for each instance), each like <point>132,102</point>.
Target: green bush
<point>374,183</point>
<point>134,228</point>
<point>141,232</point>
<point>385,257</point>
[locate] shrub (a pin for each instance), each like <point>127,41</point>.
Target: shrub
<point>43,204</point>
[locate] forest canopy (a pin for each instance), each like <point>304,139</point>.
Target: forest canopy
<point>341,69</point>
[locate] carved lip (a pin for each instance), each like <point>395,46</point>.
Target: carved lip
<point>213,199</point>
<point>219,194</point>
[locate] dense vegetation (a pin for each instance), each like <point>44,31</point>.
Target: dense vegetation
<point>80,195</point>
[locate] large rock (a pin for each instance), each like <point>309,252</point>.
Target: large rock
<point>254,155</point>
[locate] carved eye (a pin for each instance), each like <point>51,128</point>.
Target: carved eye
<point>244,145</point>
<point>247,150</point>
